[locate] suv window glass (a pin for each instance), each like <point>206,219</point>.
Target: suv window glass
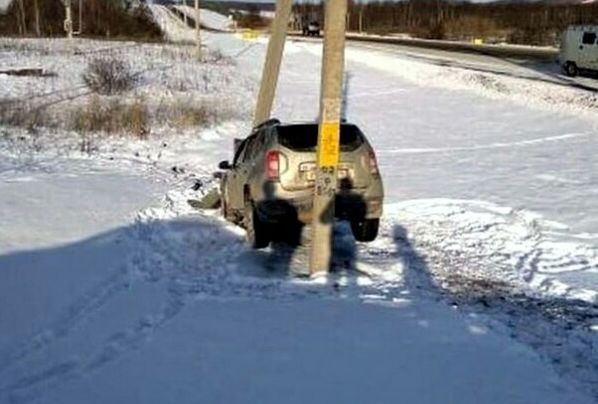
<point>241,152</point>
<point>248,150</point>
<point>589,38</point>
<point>260,143</point>
<point>253,146</point>
<point>305,137</point>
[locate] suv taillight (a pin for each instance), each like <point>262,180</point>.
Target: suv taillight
<point>273,165</point>
<point>373,164</point>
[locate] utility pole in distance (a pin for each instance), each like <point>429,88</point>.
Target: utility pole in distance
<point>271,70</point>
<point>361,18</point>
<point>197,30</point>
<point>328,153</point>
<point>80,32</point>
<point>68,20</point>
<point>185,13</point>
<point>38,31</point>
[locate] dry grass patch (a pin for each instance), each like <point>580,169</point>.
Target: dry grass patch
<point>188,112</point>
<point>112,116</point>
<point>25,115</point>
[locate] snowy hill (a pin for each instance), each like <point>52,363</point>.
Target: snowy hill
<point>209,19</point>
<point>4,5</point>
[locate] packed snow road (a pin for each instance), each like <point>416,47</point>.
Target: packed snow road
<point>510,66</point>
<point>480,288</point>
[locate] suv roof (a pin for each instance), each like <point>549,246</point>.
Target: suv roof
<point>265,124</point>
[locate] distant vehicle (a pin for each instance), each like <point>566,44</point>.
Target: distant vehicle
<point>269,186</point>
<point>579,49</point>
<point>311,29</point>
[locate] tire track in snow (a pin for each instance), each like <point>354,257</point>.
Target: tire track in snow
<point>184,257</point>
<point>194,257</point>
<point>75,315</point>
<point>199,256</point>
<point>41,382</point>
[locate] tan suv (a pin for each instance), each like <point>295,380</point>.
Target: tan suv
<point>269,186</point>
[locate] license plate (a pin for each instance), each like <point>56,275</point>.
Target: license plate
<point>341,174</point>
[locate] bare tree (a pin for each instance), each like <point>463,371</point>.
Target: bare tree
<point>21,18</point>
<point>38,30</point>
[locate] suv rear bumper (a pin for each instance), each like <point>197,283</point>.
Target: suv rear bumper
<point>346,206</point>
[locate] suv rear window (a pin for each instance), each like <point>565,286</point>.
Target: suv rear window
<point>305,137</point>
<point>589,38</point>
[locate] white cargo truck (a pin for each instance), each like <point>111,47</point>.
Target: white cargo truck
<point>579,49</point>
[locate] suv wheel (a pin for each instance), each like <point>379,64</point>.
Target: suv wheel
<point>257,232</point>
<point>571,69</point>
<point>365,230</point>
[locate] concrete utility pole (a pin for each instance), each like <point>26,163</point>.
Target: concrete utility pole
<point>329,135</point>
<point>271,70</point>
<point>197,30</point>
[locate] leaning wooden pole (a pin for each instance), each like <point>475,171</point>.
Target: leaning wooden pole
<point>265,99</point>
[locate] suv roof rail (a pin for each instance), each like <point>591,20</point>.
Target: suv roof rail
<point>269,122</point>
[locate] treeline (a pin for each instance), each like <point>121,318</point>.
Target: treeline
<point>105,18</point>
<point>536,23</point>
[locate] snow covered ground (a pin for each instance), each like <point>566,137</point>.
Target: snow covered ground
<point>482,286</point>
<point>174,28</point>
<point>481,62</point>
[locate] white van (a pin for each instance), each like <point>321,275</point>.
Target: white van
<point>579,49</point>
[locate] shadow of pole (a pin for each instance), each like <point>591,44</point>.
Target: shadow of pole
<point>291,238</point>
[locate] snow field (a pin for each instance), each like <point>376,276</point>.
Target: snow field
<point>172,87</point>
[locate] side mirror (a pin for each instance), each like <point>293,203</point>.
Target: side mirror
<point>236,143</point>
<point>224,165</point>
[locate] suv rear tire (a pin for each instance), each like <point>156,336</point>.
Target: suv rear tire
<point>365,230</point>
<point>257,232</point>
<point>571,69</point>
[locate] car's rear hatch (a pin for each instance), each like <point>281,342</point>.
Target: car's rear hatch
<point>298,157</point>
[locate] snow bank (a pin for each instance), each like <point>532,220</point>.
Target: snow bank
<point>173,27</point>
<point>4,5</point>
<point>481,240</point>
<point>525,92</point>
